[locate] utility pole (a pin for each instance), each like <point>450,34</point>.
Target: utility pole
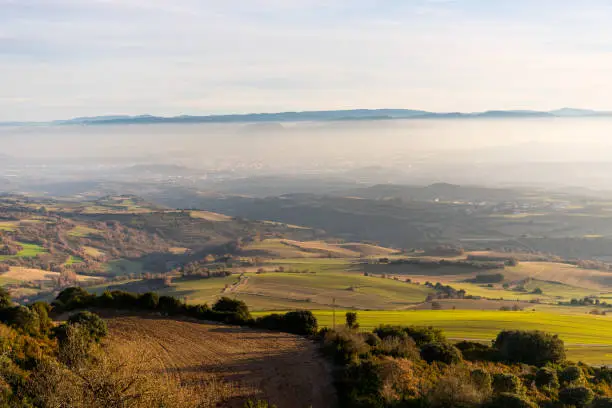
<point>334,312</point>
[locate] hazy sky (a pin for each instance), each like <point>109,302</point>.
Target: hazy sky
<point>65,58</point>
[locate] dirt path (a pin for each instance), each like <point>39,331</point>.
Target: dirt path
<point>281,368</point>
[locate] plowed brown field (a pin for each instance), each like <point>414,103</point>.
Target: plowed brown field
<point>284,369</point>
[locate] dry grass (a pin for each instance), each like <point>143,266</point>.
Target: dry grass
<point>210,216</point>
<point>281,368</point>
<point>32,275</point>
<point>369,250</point>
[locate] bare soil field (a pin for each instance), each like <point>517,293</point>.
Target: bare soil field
<point>284,369</point>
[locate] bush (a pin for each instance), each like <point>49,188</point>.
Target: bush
<point>299,322</point>
<point>360,385</point>
<point>421,335</point>
<point>22,318</point>
<point>371,339</point>
<point>42,309</point>
<point>91,323</point>
<point>149,301</point>
<point>456,391</point>
<point>576,396</point>
<point>344,346</point>
<point>508,400</point>
<point>602,402</point>
<point>546,378</point>
<point>442,352</point>
<point>530,347</point>
<point>5,299</point>
<point>170,305</point>
<point>272,321</point>
<point>571,375</point>
<point>227,305</point>
<point>74,298</point>
<point>481,379</point>
<point>506,383</point>
<point>397,347</point>
<point>474,351</point>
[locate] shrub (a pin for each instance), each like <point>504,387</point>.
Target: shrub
<point>42,309</point>
<point>602,402</point>
<point>506,383</point>
<point>400,347</point>
<point>576,396</point>
<point>351,320</point>
<point>344,346</point>
<point>425,335</point>
<point>227,305</point>
<point>530,347</point>
<point>22,318</point>
<point>421,335</point>
<point>474,351</point>
<point>371,339</point>
<point>74,298</point>
<point>360,385</point>
<point>5,299</point>
<point>149,301</point>
<point>481,379</point>
<point>91,323</point>
<point>299,322</point>
<point>546,378</point>
<point>508,400</point>
<point>170,305</point>
<point>105,300</point>
<point>124,300</point>
<point>442,352</point>
<point>454,390</point>
<point>571,375</point>
<point>272,321</point>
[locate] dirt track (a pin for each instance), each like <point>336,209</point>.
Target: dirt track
<point>283,369</point>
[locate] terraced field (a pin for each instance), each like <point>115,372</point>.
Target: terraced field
<point>284,369</point>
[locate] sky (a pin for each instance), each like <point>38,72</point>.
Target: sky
<point>68,58</point>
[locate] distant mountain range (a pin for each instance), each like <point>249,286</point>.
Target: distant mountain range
<point>331,115</point>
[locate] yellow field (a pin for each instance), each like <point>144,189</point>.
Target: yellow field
<point>587,338</point>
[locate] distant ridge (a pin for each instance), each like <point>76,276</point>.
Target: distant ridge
<point>331,115</point>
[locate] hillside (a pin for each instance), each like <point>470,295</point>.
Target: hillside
<point>284,369</point>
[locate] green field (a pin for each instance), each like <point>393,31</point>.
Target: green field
<point>28,251</point>
<point>74,260</point>
<point>588,338</point>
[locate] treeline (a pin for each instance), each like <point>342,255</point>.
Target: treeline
<point>225,310</point>
<point>434,263</point>
<point>406,367</point>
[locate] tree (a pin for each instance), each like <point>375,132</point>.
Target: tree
<point>506,383</point>
<point>442,352</point>
<point>351,320</point>
<point>93,325</point>
<point>227,305</point>
<point>546,378</point>
<point>5,299</point>
<point>300,322</point>
<point>530,347</point>
<point>576,396</point>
